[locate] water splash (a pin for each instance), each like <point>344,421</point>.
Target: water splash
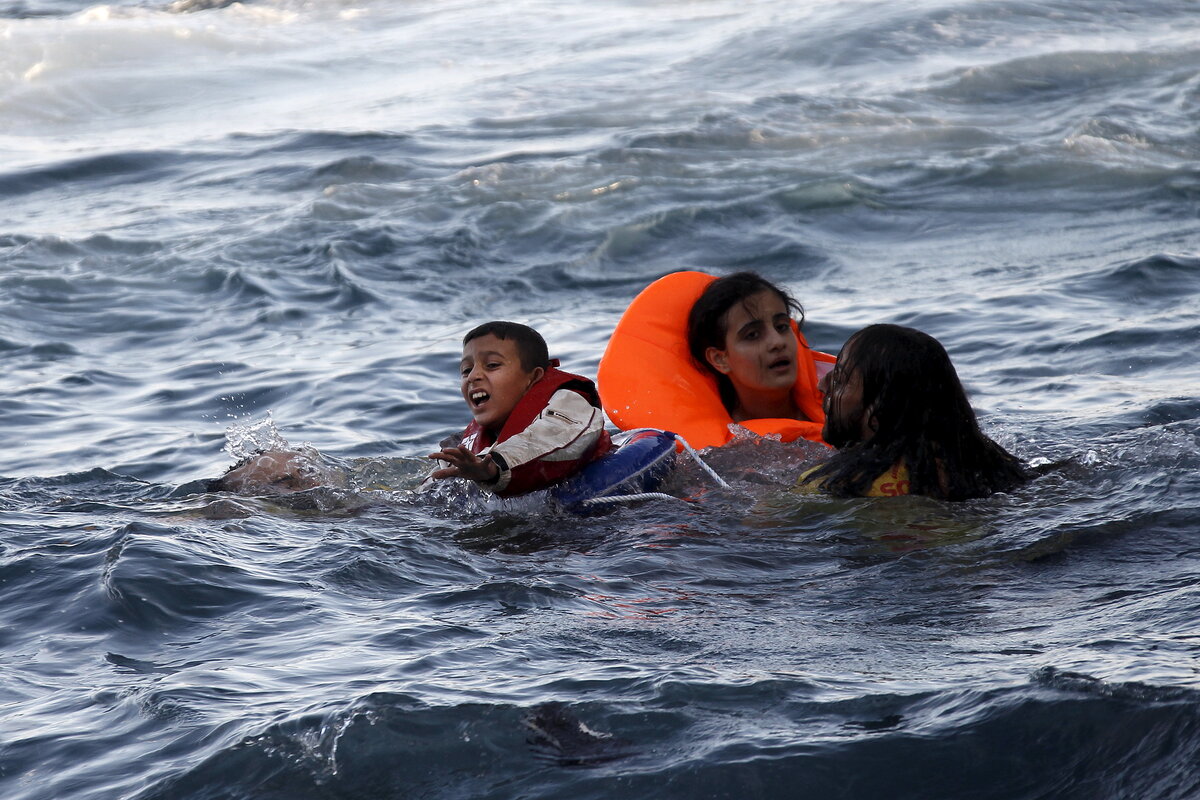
<point>243,441</point>
<point>750,459</point>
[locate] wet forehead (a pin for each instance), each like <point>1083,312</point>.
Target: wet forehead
<point>846,354</point>
<point>765,306</point>
<point>487,346</point>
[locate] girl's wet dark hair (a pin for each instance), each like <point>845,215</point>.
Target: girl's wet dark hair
<point>531,347</point>
<point>919,414</point>
<point>706,321</point>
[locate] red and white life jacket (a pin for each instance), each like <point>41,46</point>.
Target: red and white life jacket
<point>541,472</point>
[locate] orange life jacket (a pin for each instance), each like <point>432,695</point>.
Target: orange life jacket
<point>649,379</point>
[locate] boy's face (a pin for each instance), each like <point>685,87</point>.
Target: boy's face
<point>493,379</point>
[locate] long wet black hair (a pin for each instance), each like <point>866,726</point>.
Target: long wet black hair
<point>918,414</point>
<point>706,321</point>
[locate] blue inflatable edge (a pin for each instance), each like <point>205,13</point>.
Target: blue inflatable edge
<point>639,465</point>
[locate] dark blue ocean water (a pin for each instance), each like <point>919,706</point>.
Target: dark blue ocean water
<point>222,223</point>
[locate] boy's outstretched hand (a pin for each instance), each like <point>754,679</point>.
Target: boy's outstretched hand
<point>465,464</point>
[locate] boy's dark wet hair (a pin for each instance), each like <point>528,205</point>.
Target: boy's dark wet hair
<point>531,347</point>
<point>919,415</point>
<point>706,321</point>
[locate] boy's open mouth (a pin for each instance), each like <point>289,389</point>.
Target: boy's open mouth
<point>478,398</point>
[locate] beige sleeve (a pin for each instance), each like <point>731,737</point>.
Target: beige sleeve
<point>564,431</point>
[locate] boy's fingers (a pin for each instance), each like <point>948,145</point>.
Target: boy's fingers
<point>462,463</point>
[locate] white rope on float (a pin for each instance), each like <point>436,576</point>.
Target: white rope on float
<point>691,451</point>
<point>629,498</point>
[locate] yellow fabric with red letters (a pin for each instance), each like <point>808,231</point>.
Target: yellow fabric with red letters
<point>893,483</point>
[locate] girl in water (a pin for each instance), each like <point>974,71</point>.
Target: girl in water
<point>726,354</point>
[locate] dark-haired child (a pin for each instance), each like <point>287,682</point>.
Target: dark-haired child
<point>534,425</point>
<point>897,412</point>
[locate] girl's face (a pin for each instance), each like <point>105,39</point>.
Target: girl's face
<point>759,355</point>
<point>845,418</point>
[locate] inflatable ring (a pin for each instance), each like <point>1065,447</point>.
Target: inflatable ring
<point>647,378</point>
<point>637,466</point>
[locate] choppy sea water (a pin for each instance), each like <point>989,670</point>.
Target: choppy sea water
<point>223,222</point>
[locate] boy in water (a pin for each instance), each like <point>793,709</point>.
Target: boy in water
<point>534,425</point>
